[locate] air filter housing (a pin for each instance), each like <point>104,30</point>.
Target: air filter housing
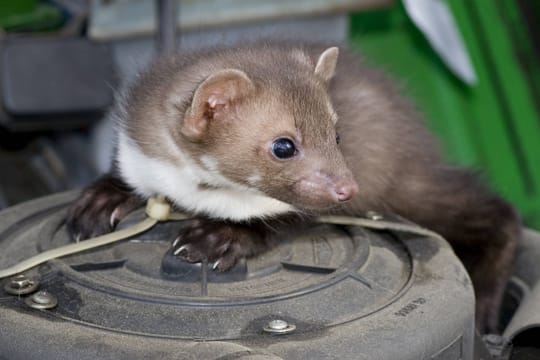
<point>325,292</point>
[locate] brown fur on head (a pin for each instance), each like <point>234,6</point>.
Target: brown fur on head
<point>235,117</point>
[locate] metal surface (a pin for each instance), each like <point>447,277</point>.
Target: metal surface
<point>21,285</point>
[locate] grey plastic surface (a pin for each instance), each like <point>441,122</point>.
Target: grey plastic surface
<point>117,19</point>
<point>381,296</point>
<point>42,80</point>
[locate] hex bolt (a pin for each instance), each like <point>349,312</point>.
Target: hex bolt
<point>42,300</point>
<point>21,285</point>
<point>278,326</point>
<point>20,281</point>
<point>375,216</point>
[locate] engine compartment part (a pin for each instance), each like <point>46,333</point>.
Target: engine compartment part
<point>523,331</point>
<point>335,292</point>
<point>54,83</point>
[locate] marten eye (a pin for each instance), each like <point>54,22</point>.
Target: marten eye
<point>338,139</point>
<point>283,148</point>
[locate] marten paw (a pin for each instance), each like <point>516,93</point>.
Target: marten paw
<point>218,242</point>
<point>100,207</point>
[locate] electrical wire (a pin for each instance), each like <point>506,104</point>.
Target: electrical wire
<point>157,209</point>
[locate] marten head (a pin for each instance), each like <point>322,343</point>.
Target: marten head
<point>254,136</point>
<point>272,130</point>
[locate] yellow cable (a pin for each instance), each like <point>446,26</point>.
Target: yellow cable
<point>157,209</point>
<point>77,247</point>
<point>379,224</point>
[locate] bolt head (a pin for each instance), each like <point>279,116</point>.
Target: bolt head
<point>278,326</point>
<point>42,297</point>
<point>21,285</point>
<point>42,300</point>
<point>20,281</point>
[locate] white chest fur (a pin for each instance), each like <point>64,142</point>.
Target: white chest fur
<point>180,183</point>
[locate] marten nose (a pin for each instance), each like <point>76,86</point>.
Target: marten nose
<point>345,190</point>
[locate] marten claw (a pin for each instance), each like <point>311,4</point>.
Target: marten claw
<point>190,253</point>
<point>182,249</point>
<point>100,207</point>
<point>218,242</point>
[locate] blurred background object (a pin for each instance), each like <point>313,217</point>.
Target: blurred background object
<point>29,16</point>
<point>492,125</point>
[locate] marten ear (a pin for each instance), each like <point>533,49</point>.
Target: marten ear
<point>326,64</point>
<point>214,99</point>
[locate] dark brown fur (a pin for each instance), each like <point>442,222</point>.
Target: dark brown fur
<point>390,154</point>
<point>92,213</point>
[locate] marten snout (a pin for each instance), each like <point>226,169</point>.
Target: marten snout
<point>345,190</point>
<point>321,190</point>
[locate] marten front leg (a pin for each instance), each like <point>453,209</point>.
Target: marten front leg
<point>221,242</point>
<point>100,207</point>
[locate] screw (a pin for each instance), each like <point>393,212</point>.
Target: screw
<point>278,326</point>
<point>21,285</point>
<point>372,215</point>
<point>42,300</point>
<point>493,339</point>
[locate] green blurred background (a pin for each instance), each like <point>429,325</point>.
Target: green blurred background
<point>493,125</point>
